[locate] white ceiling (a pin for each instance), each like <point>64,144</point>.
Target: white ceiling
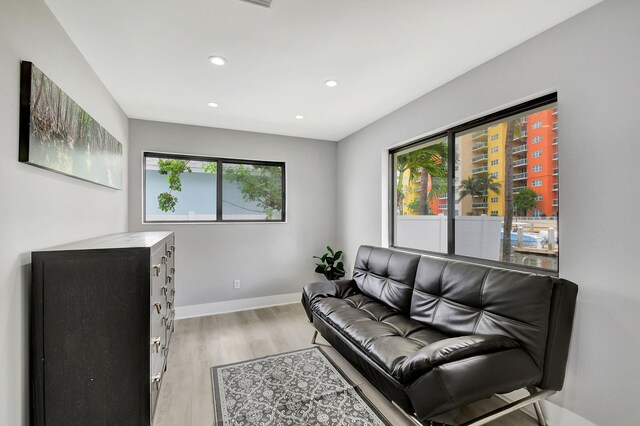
<point>152,55</point>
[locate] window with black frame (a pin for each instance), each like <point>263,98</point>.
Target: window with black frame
<point>182,188</point>
<point>499,177</point>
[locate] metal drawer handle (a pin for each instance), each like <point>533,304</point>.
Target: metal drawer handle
<point>156,343</point>
<point>163,290</point>
<point>169,304</point>
<point>173,249</point>
<point>164,260</point>
<point>169,279</point>
<point>156,380</point>
<point>173,270</point>
<point>156,270</point>
<point>158,307</point>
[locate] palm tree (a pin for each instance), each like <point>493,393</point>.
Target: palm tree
<point>403,163</point>
<point>430,163</point>
<point>513,132</point>
<point>479,186</point>
<point>487,183</point>
<point>470,186</point>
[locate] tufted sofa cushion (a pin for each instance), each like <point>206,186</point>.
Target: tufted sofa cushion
<point>389,337</point>
<point>460,298</point>
<point>386,275</point>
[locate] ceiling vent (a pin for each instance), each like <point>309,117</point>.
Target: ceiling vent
<point>265,3</point>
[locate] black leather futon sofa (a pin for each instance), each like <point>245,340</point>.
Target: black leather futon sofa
<point>434,334</point>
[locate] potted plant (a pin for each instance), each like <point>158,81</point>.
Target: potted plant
<point>330,265</point>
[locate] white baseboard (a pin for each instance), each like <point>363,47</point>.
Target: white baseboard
<point>555,415</point>
<point>237,305</point>
<point>559,416</point>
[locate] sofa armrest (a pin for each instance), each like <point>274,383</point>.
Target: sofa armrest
<point>453,349</point>
<point>335,288</point>
<point>461,382</point>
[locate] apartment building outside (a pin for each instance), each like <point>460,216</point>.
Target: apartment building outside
<point>534,157</point>
<point>534,161</point>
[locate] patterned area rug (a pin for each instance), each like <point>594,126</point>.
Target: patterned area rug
<point>295,388</point>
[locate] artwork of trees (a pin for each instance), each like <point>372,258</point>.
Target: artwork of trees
<point>63,137</point>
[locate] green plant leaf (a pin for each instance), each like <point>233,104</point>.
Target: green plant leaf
<point>167,202</point>
<point>172,169</point>
<point>330,265</point>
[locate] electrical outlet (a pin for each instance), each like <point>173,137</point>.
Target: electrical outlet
<point>236,284</point>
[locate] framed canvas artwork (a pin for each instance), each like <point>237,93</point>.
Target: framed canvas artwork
<point>58,135</point>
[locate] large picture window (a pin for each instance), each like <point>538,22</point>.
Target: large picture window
<point>503,194</point>
<point>180,188</point>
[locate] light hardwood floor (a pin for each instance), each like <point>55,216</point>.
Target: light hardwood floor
<point>200,343</point>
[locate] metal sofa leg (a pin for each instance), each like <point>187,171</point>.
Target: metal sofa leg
<point>539,414</point>
<point>538,408</point>
<point>313,339</point>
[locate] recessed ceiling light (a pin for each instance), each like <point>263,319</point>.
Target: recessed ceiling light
<point>213,104</point>
<point>331,83</point>
<point>217,60</point>
<point>299,116</point>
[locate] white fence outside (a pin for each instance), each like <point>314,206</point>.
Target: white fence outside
<point>476,236</point>
<point>479,236</point>
<point>422,232</point>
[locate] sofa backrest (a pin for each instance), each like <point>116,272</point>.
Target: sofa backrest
<point>386,275</point>
<point>460,298</point>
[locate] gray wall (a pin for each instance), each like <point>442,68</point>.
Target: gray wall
<point>593,62</point>
<point>268,258</point>
<point>42,208</point>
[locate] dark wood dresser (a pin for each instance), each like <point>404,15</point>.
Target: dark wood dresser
<point>101,323</point>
